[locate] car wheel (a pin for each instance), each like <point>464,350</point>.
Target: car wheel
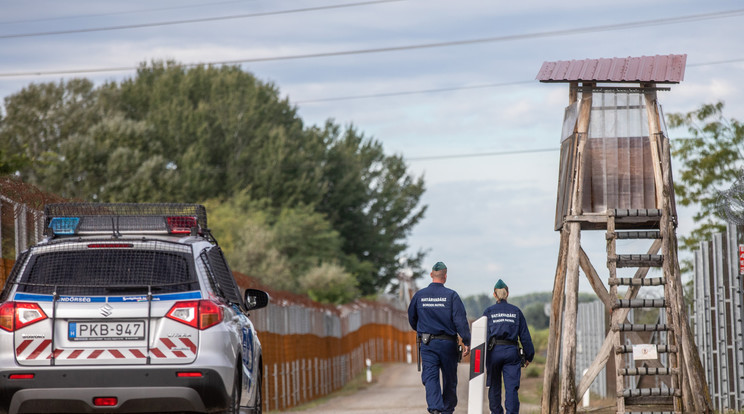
<point>258,409</point>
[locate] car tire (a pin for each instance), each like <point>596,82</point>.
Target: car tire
<point>258,406</point>
<point>234,402</point>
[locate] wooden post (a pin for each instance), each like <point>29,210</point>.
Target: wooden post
<point>568,345</point>
<point>653,129</point>
<point>550,375</point>
<point>550,397</point>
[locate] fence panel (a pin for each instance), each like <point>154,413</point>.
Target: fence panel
<point>718,316</point>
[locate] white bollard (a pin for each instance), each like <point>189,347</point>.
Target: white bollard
<point>585,398</point>
<point>369,370</point>
<point>409,358</point>
<point>477,383</point>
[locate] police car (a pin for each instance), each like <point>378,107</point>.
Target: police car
<point>127,308</point>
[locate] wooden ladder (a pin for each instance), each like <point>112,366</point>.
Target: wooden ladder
<point>652,224</point>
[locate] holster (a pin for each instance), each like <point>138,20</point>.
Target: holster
<point>459,353</point>
<point>425,338</point>
<point>522,358</point>
<point>418,352</point>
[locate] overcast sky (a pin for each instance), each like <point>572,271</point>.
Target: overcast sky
<point>449,85</point>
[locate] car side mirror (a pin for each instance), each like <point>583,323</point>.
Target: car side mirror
<point>256,299</point>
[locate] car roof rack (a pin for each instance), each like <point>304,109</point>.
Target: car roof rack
<point>67,219</point>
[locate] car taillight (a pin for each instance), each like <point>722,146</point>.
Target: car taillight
<point>105,401</point>
<point>200,314</point>
<point>16,315</point>
<point>20,376</point>
<point>189,374</point>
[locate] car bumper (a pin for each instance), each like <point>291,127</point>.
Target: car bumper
<point>137,390</point>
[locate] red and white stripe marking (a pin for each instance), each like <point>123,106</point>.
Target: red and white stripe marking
<point>40,349</point>
<point>477,384</point>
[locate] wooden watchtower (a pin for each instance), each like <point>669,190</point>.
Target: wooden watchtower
<point>615,175</point>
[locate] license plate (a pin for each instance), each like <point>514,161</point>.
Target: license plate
<point>106,331</point>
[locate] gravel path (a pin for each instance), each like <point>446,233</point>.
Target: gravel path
<point>398,390</point>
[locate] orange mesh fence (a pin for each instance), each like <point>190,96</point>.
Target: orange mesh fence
<point>311,349</point>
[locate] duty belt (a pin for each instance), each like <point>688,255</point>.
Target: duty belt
<point>445,336</point>
<point>425,337</point>
<point>495,341</point>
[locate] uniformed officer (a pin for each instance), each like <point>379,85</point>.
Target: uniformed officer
<point>506,324</point>
<point>438,315</point>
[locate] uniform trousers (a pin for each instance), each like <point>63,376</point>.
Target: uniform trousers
<point>440,356</point>
<point>504,360</point>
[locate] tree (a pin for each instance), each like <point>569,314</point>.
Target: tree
<point>187,135</point>
<point>372,201</point>
<point>329,283</point>
<point>711,160</point>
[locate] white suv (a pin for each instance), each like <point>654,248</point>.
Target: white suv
<point>127,308</point>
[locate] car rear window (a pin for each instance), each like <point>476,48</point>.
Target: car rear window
<point>108,272</point>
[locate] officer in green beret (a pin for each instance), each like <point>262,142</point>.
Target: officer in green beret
<point>437,315</point>
<point>506,325</point>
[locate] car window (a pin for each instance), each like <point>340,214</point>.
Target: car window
<point>223,278</point>
<point>108,271</point>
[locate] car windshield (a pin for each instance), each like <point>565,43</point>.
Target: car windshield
<point>108,272</point>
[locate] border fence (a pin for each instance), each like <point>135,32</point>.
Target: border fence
<point>718,315</point>
<point>590,333</point>
<point>309,349</point>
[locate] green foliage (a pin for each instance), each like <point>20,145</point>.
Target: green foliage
<point>170,134</point>
<point>329,283</point>
<point>533,371</point>
<point>539,341</point>
<point>476,304</point>
<point>710,160</point>
<point>531,304</point>
<point>535,315</point>
<point>10,163</point>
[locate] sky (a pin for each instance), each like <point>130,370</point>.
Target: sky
<point>448,85</point>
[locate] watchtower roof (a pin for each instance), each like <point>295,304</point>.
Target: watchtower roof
<point>655,69</point>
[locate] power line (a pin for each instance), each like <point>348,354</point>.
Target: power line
<point>535,35</point>
<point>458,88</point>
<point>386,94</point>
<point>189,21</point>
<point>481,154</point>
<point>80,16</point>
<point>490,154</point>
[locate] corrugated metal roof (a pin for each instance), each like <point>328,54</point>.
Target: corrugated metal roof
<point>657,69</point>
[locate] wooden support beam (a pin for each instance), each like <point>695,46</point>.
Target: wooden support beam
<point>595,281</point>
<point>654,132</point>
<point>618,316</point>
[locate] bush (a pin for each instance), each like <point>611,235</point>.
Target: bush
<point>329,283</point>
<point>533,371</point>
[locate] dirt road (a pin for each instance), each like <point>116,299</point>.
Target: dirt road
<point>398,390</point>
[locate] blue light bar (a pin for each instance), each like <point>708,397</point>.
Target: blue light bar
<point>64,225</point>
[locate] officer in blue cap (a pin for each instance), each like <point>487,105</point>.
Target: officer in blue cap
<point>437,315</point>
<point>506,325</point>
